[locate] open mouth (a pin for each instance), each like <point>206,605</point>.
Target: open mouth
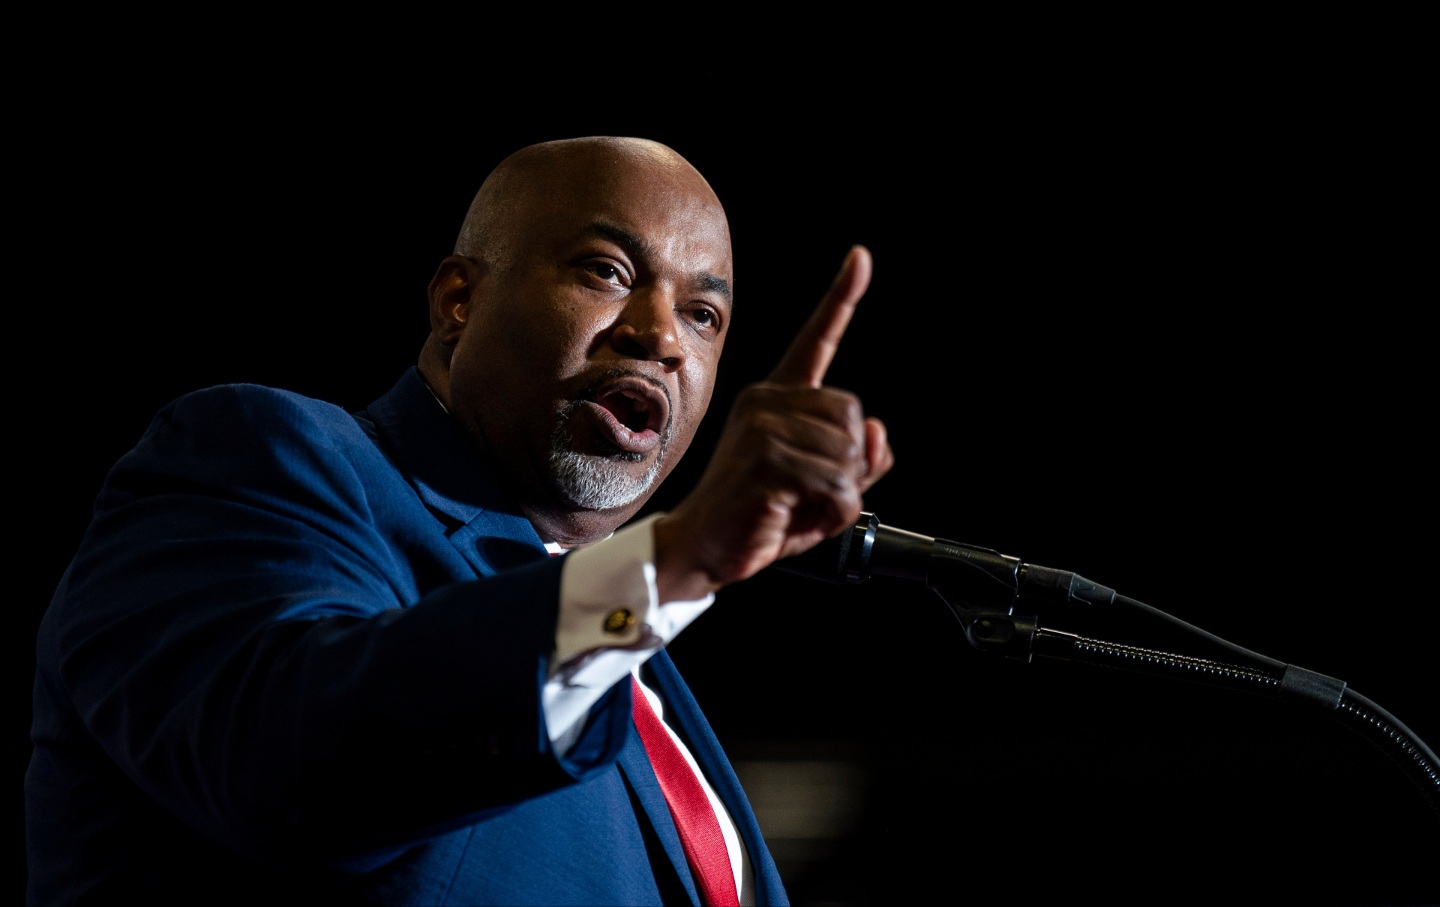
<point>635,410</point>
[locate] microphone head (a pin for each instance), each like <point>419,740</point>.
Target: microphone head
<point>843,558</point>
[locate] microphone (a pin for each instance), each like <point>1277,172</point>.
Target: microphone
<point>974,575</point>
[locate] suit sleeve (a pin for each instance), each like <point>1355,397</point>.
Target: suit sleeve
<point>254,637</point>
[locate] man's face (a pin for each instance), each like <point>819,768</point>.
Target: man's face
<point>594,332</point>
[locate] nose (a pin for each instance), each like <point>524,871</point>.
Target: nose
<point>648,328</point>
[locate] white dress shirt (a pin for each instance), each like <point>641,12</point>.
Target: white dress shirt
<point>614,575</point>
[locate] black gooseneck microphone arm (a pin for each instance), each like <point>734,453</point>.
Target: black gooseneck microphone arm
<point>983,587</point>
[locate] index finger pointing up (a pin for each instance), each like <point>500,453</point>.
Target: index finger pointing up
<point>810,353</point>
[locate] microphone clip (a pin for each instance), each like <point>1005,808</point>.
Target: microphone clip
<point>980,586</point>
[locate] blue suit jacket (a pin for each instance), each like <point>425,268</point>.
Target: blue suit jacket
<point>300,653</point>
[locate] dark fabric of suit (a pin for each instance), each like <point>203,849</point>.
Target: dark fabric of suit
<point>299,656</point>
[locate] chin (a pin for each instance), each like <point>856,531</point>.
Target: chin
<point>602,483</point>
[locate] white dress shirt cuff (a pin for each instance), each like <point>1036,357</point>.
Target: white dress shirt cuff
<point>611,620</point>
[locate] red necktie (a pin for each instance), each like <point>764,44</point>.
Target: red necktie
<point>699,829</point>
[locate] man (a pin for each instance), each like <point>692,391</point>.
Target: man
<point>303,653</point>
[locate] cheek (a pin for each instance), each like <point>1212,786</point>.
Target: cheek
<point>533,340</point>
<point>694,402</point>
<point>565,335</point>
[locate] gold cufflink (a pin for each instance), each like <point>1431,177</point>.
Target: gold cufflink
<point>619,620</point>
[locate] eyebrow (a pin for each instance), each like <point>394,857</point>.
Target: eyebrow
<point>636,247</point>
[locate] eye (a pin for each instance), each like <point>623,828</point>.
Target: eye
<point>705,317</point>
<point>606,272</point>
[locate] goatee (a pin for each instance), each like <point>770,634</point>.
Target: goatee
<point>597,481</point>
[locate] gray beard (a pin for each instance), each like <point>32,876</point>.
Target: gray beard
<point>597,482</point>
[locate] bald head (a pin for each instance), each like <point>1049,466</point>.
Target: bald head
<point>544,179</point>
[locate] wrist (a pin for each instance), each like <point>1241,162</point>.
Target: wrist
<point>678,574</point>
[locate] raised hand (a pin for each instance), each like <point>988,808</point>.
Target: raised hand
<point>790,468</point>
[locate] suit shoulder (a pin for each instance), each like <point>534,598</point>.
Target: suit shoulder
<point>230,409</point>
<point>249,426</point>
<point>242,399</point>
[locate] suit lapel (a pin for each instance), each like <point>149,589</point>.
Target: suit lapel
<point>683,713</point>
<point>635,765</point>
<point>440,461</point>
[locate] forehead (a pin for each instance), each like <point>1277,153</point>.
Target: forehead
<point>656,201</point>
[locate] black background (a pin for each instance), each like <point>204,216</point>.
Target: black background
<point>1159,328</point>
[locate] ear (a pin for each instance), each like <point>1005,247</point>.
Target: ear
<point>450,291</point>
